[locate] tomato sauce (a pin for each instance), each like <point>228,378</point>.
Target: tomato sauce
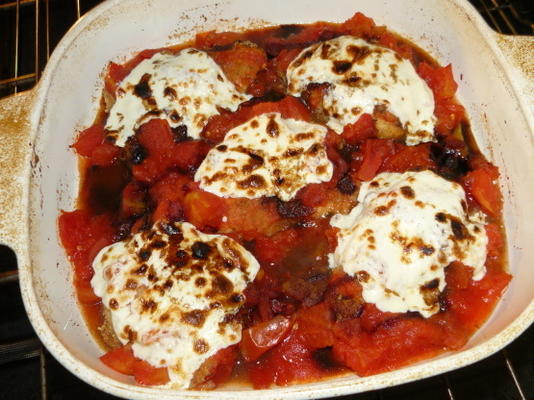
<point>301,320</point>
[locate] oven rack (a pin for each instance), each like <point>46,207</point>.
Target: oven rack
<point>29,31</point>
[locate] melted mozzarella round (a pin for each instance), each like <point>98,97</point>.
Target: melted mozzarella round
<point>172,292</point>
<point>184,88</point>
<point>403,233</point>
<point>266,156</point>
<point>362,75</point>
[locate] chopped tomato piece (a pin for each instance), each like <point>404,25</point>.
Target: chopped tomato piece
<point>300,37</point>
<point>458,275</point>
<point>315,326</point>
<point>164,152</point>
<point>261,337</point>
<point>362,129</point>
<point>409,157</point>
<point>146,374</point>
<point>313,194</point>
<point>273,249</point>
<point>218,125</point>
<point>359,25</point>
<point>85,293</point>
<point>284,58</point>
<point>483,186</point>
<point>225,359</point>
<point>472,305</point>
<point>439,79</point>
<point>92,143</point>
<point>290,361</point>
<point>496,244</point>
<point>391,346</point>
<point>210,39</point>
<point>168,194</point>
<point>375,153</point>
<point>372,317</point>
<point>83,236</point>
<point>120,359</point>
<point>289,107</point>
<point>133,202</point>
<point>449,115</point>
<point>251,218</point>
<point>117,72</point>
<point>241,63</point>
<point>203,209</point>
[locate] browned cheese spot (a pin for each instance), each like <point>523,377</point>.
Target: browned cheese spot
<point>353,80</point>
<point>195,318</point>
<point>441,217</point>
<point>141,270</point>
<point>170,93</point>
<point>253,181</point>
<point>272,128</point>
<point>222,148</point>
<point>148,305</point>
<point>164,317</point>
<point>131,284</point>
<point>221,285</point>
<point>304,136</point>
<point>325,51</point>
<point>113,304</point>
<point>320,170</point>
<point>254,162</point>
<point>458,229</point>
<point>407,192</point>
<point>358,53</point>
<point>200,282</point>
<point>254,124</point>
<point>144,254</point>
<point>142,89</point>
<point>430,292</point>
<point>341,66</point>
<point>168,284</point>
<point>393,72</point>
<point>129,334</point>
<point>362,276</point>
<point>200,346</point>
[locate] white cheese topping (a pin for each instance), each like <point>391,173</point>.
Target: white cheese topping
<point>266,156</point>
<point>403,233</point>
<point>362,75</point>
<point>172,291</point>
<point>184,88</point>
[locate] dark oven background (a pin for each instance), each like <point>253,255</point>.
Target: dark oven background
<point>29,30</point>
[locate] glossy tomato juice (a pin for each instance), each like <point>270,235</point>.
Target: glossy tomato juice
<point>302,320</point>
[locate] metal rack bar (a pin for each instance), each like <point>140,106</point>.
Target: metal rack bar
<point>448,386</point>
<point>17,34</point>
<point>513,374</point>
<point>501,12</point>
<point>13,4</point>
<point>36,54</point>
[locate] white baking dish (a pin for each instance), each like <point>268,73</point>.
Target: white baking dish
<point>38,172</point>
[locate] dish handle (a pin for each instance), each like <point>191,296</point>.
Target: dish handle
<point>15,153</point>
<point>519,52</point>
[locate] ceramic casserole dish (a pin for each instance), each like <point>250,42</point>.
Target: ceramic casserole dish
<point>38,171</point>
